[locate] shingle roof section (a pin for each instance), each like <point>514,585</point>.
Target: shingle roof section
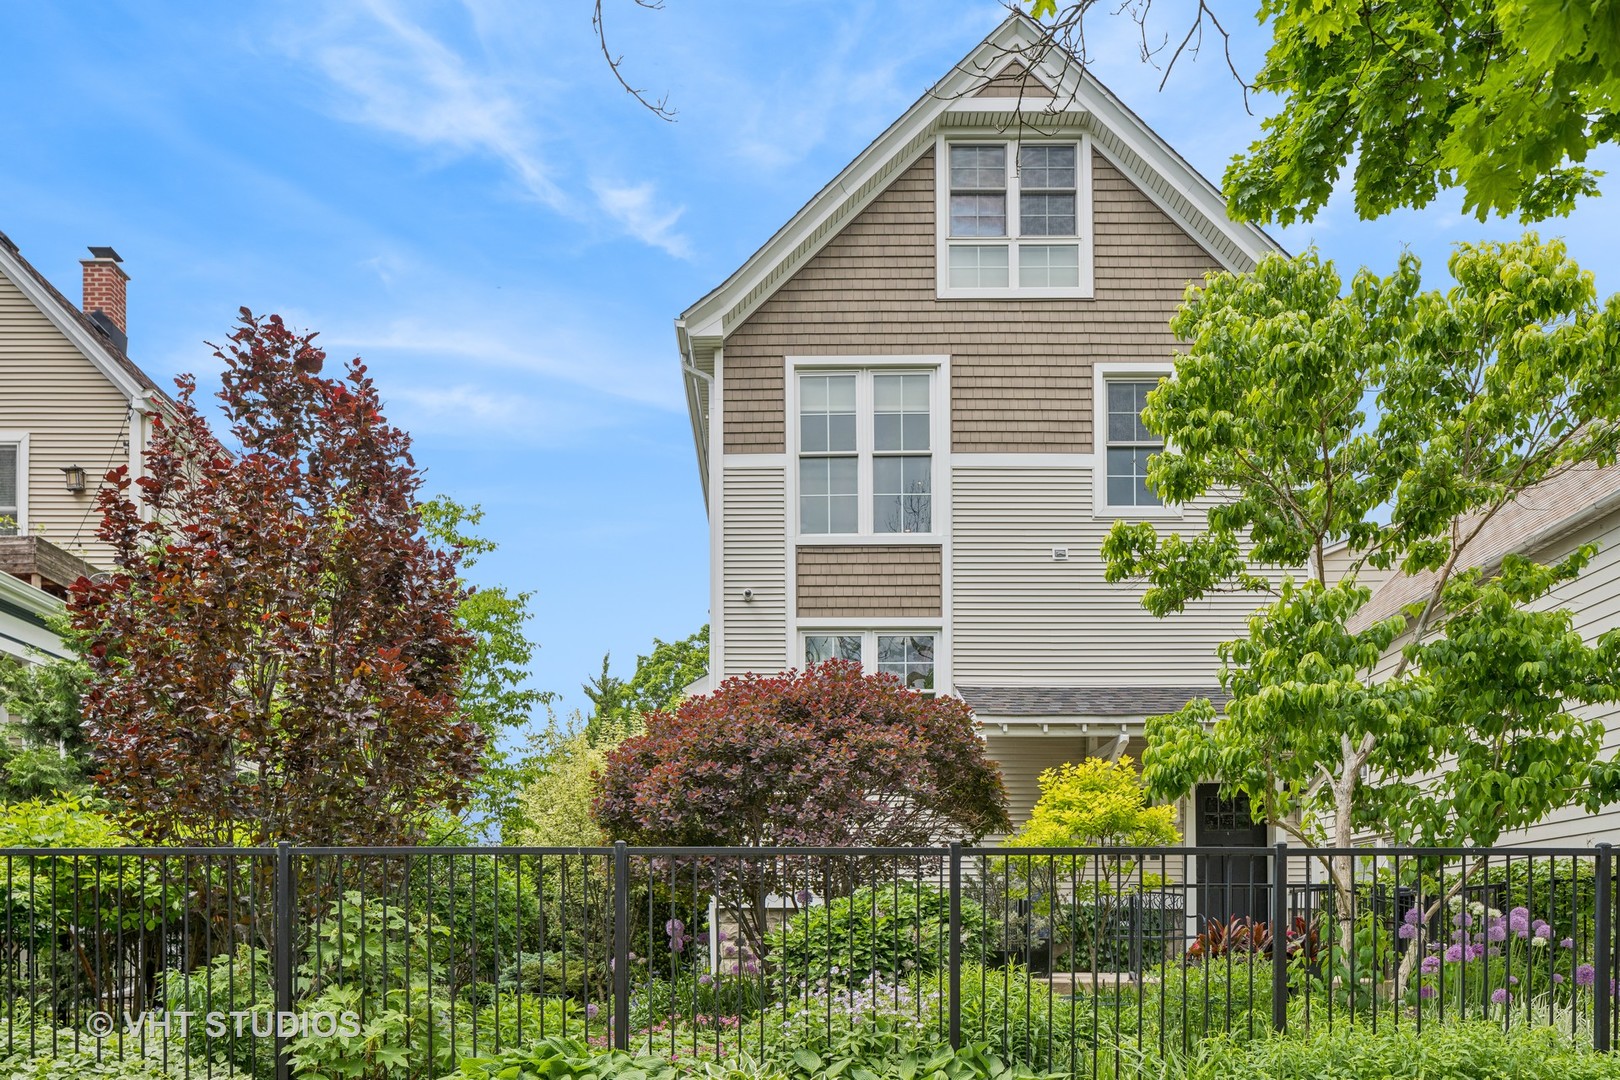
<point>1532,520</point>
<point>1084,700</point>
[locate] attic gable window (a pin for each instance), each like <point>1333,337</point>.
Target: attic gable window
<point>1014,218</point>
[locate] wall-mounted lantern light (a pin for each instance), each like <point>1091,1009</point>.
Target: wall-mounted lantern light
<point>74,475</point>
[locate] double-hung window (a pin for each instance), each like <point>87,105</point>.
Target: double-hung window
<point>11,486</point>
<point>866,463</point>
<point>1014,219</point>
<point>908,656</point>
<point>1130,443</point>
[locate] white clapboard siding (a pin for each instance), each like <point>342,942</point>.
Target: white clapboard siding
<point>72,416</point>
<point>1019,617</point>
<point>753,534</point>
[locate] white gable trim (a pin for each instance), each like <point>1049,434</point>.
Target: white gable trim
<point>1078,99</point>
<point>72,329</point>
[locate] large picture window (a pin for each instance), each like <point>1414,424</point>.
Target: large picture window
<point>866,460</point>
<point>1013,218</point>
<point>907,655</point>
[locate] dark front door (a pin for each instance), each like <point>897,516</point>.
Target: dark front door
<point>1229,886</point>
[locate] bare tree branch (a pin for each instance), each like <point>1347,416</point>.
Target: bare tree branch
<point>660,108</point>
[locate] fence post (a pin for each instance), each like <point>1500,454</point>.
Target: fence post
<point>283,919</point>
<point>953,993</point>
<point>1279,937</point>
<point>621,946</point>
<point>1604,933</point>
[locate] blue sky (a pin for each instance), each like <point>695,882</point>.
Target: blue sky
<point>460,193</point>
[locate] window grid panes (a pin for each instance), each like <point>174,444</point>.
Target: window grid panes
<point>978,190</point>
<point>902,468</point>
<point>1130,443</point>
<point>819,648</point>
<point>1044,190</point>
<point>910,657</point>
<point>10,486</point>
<point>829,464</point>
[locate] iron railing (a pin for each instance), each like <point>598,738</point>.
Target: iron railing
<point>259,961</point>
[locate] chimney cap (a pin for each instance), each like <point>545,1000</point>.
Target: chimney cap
<point>105,253</point>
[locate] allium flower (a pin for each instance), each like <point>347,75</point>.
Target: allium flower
<point>1541,929</point>
<point>1500,996</point>
<point>1585,975</point>
<point>1567,943</point>
<point>1497,931</point>
<point>1453,954</point>
<point>1412,917</point>
<point>705,979</point>
<point>1557,978</point>
<point>1519,921</point>
<point>591,1010</point>
<point>1425,991</point>
<point>1406,932</point>
<point>1430,965</point>
<point>802,897</point>
<point>1462,918</point>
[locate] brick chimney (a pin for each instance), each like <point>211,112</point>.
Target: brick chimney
<point>104,282</point>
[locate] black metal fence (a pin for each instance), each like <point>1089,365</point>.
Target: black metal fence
<point>270,962</point>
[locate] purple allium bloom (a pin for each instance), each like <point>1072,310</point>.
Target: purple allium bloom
<point>1425,991</point>
<point>802,896</point>
<point>1541,929</point>
<point>749,967</point>
<point>674,927</point>
<point>1557,978</point>
<point>705,979</point>
<point>1585,975</point>
<point>1430,965</point>
<point>1497,930</point>
<point>1513,980</point>
<point>1567,943</point>
<point>1519,921</point>
<point>1412,917</point>
<point>1500,996</point>
<point>1453,954</point>
<point>591,1010</point>
<point>1462,918</point>
<point>1406,932</point>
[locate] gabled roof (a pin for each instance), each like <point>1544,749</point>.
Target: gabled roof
<point>77,327</point>
<point>1072,98</point>
<point>1540,516</point>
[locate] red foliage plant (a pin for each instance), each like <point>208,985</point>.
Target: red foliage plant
<point>276,655</point>
<point>827,758</point>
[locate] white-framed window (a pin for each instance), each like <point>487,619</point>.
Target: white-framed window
<point>1130,443</point>
<point>1014,217</point>
<point>909,655</point>
<point>866,448</point>
<point>13,483</point>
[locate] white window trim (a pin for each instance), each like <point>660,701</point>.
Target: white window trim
<point>20,438</point>
<point>869,633</point>
<point>1101,376</point>
<point>1084,226</point>
<point>939,446</point>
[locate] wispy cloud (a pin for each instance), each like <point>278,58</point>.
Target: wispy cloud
<point>395,75</point>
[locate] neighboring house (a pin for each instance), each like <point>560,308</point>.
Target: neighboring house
<point>1545,523</point>
<point>916,412</point>
<point>72,406</point>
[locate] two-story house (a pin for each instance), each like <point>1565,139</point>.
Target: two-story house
<point>72,406</point>
<point>917,413</point>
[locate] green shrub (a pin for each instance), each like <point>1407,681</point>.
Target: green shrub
<point>1452,1051</point>
<point>1187,1002</point>
<point>556,1058</point>
<point>879,931</point>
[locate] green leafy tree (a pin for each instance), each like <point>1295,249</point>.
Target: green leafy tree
<point>43,702</point>
<point>1500,383</point>
<point>661,677</point>
<point>1502,99</point>
<point>495,691</point>
<point>555,804</point>
<point>1096,803</point>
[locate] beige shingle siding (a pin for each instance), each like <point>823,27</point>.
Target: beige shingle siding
<point>1020,369</point>
<point>862,581</point>
<point>72,414</point>
<point>1018,617</point>
<point>1013,81</point>
<point>753,520</point>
